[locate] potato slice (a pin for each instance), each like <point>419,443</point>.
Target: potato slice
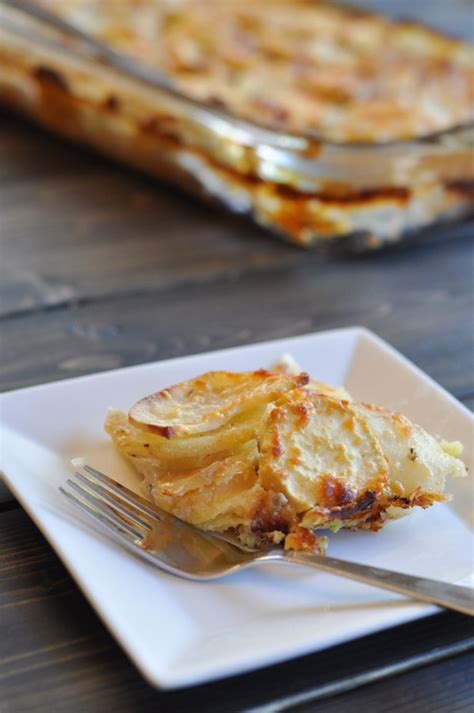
<point>418,463</point>
<point>321,454</point>
<point>180,454</point>
<point>209,401</point>
<point>278,457</point>
<point>225,491</point>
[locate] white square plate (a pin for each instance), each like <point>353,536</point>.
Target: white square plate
<point>180,632</point>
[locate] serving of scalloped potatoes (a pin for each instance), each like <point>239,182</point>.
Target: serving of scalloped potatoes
<point>278,457</point>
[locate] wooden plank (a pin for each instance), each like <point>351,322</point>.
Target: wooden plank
<point>469,402</point>
<point>73,225</point>
<point>446,686</point>
<point>55,653</point>
<point>76,227</point>
<point>419,300</point>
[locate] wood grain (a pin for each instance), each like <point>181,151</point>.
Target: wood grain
<point>74,226</point>
<point>419,301</point>
<point>55,654</point>
<point>445,686</point>
<point>101,267</point>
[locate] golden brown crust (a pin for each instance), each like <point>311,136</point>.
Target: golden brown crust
<point>208,402</point>
<point>316,450</point>
<point>294,65</point>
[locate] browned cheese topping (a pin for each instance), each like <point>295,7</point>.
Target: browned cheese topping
<point>294,65</point>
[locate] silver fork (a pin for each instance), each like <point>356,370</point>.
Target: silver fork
<point>183,550</point>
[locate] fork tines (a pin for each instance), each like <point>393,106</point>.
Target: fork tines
<point>111,503</point>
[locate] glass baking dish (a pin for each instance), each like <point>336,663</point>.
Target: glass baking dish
<point>308,191</point>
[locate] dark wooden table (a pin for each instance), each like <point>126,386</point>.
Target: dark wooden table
<point>102,268</point>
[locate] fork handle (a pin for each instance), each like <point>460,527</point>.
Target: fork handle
<point>450,596</point>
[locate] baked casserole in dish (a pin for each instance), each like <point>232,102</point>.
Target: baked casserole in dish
<point>318,120</point>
